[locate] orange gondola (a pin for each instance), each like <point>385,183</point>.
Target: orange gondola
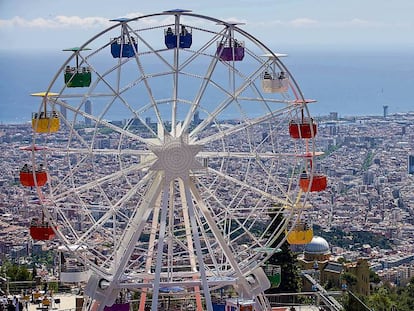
<point>317,183</point>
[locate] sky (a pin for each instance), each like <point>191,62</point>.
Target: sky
<point>313,24</point>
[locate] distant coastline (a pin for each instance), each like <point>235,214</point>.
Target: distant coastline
<point>352,83</point>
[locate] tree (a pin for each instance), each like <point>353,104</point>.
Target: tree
<point>373,277</point>
<point>290,274</point>
<point>16,272</point>
<point>380,301</point>
<point>350,279</point>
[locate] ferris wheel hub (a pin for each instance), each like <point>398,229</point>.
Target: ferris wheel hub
<point>176,157</point>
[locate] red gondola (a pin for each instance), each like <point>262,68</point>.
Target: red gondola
<point>302,129</point>
<point>318,183</point>
<point>42,231</point>
<point>28,179</point>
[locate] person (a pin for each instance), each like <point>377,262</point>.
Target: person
<point>267,75</point>
<point>304,175</point>
<point>282,75</point>
<point>25,168</point>
<point>10,306</point>
<point>41,168</point>
<point>183,30</point>
<point>169,31</point>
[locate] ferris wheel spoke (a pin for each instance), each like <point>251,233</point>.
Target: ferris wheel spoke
<point>114,209</point>
<point>135,226</point>
<point>231,97</point>
<point>242,126</point>
<point>117,93</point>
<point>230,210</point>
<point>217,234</point>
<point>243,155</point>
<point>74,133</point>
<point>273,198</point>
<point>100,181</point>
<point>69,177</point>
<point>105,123</point>
<point>98,151</point>
<point>200,94</point>
<point>154,105</point>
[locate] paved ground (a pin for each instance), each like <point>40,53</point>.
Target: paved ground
<point>67,301</point>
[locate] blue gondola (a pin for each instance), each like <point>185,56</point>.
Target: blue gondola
<point>124,47</point>
<point>186,38</point>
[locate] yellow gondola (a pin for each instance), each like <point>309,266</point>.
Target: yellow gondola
<point>45,122</point>
<point>302,233</point>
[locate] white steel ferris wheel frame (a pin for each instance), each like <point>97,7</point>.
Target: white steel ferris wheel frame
<point>181,208</point>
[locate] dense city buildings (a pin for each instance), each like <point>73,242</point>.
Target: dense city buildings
<point>367,209</point>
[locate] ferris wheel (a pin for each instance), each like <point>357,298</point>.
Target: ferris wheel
<point>178,150</point>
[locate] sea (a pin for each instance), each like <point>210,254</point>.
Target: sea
<point>351,83</point>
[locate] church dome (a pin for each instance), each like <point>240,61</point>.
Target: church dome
<point>318,246</point>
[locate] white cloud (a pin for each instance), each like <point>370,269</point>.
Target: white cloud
<point>235,20</point>
<point>351,24</point>
<point>55,22</point>
<point>303,22</point>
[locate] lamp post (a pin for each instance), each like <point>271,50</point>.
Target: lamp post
<point>317,279</point>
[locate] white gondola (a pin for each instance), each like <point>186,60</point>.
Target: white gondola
<point>274,80</point>
<point>71,270</point>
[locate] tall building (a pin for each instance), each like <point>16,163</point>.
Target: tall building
<point>88,110</point>
<point>385,108</point>
<point>411,164</point>
<point>333,115</point>
<point>360,269</point>
<point>196,118</point>
<point>63,111</point>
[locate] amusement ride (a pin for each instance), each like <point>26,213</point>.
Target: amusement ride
<point>171,160</point>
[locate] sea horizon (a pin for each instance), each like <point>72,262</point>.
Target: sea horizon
<point>351,83</point>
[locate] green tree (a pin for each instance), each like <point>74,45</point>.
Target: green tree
<point>373,277</point>
<point>350,279</point>
<point>290,273</point>
<point>380,301</point>
<point>16,272</point>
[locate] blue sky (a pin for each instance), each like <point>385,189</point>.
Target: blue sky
<point>336,24</point>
